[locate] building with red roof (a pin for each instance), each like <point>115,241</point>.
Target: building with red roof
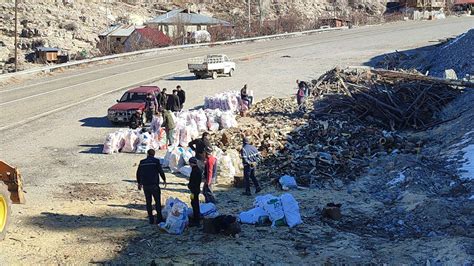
<point>145,38</point>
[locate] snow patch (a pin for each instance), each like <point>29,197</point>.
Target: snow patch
<point>400,179</point>
<point>467,169</point>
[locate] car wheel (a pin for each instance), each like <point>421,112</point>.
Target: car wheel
<point>198,76</point>
<point>214,75</point>
<point>231,72</point>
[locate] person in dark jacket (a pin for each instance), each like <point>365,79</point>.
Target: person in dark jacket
<point>162,100</point>
<point>199,146</point>
<point>136,120</point>
<point>245,96</point>
<point>182,96</point>
<point>173,102</point>
<point>148,177</point>
<point>250,158</point>
<point>301,95</point>
<point>151,106</point>
<point>210,173</point>
<point>195,187</point>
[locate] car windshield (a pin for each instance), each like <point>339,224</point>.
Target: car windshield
<point>133,97</point>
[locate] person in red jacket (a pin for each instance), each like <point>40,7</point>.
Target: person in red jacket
<point>210,173</point>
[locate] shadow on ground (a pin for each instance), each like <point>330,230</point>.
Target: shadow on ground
<point>96,122</point>
<point>92,149</point>
<point>133,206</point>
<point>182,78</point>
<point>66,222</point>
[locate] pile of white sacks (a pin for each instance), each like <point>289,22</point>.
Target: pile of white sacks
<point>229,164</point>
<point>188,126</point>
<point>226,101</point>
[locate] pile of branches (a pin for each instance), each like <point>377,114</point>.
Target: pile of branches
<point>393,100</point>
<point>336,148</point>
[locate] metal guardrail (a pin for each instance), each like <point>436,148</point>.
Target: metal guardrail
<point>155,50</point>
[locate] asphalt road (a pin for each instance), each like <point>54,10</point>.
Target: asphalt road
<point>39,97</point>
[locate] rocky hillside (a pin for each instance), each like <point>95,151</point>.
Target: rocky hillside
<point>74,25</point>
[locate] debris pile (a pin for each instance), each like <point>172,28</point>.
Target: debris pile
<point>268,124</point>
<point>392,100</point>
<point>356,113</point>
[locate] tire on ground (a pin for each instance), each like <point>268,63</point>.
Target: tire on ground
<point>231,72</point>
<point>214,75</point>
<point>5,210</point>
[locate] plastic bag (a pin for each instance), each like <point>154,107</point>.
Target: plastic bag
<point>201,120</point>
<point>252,216</point>
<point>131,140</point>
<point>228,120</point>
<point>291,210</point>
<point>156,123</point>
<point>174,159</point>
<point>144,143</point>
<point>109,144</point>
<point>272,205</point>
<point>186,154</point>
<point>120,136</point>
<point>159,139</point>
<point>236,161</point>
<point>177,219</point>
<point>186,170</point>
<point>288,182</point>
<point>168,204</point>
<point>208,210</point>
<point>185,136</point>
<point>226,168</point>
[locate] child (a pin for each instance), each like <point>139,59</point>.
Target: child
<point>195,187</point>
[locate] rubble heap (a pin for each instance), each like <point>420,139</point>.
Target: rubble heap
<point>268,124</point>
<point>355,114</point>
<point>392,100</point>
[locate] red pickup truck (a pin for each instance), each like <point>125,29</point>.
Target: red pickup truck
<point>131,101</point>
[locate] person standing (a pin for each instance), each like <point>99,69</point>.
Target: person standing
<point>181,96</point>
<point>169,125</point>
<point>173,102</point>
<point>162,99</point>
<point>301,97</point>
<point>245,96</point>
<point>199,146</point>
<point>210,173</point>
<point>195,187</point>
<point>148,177</point>
<point>250,159</point>
<point>151,106</point>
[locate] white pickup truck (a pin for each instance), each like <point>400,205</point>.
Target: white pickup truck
<point>211,65</point>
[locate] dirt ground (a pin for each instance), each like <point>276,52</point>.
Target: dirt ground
<point>84,207</point>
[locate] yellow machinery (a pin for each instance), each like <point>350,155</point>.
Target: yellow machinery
<point>11,190</point>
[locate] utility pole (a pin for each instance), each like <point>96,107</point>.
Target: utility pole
<point>16,37</point>
<point>249,13</point>
<point>107,25</point>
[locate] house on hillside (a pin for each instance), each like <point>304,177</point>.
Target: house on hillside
<point>144,38</point>
<point>423,9</point>
<point>113,38</point>
<point>181,22</point>
<point>334,22</point>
